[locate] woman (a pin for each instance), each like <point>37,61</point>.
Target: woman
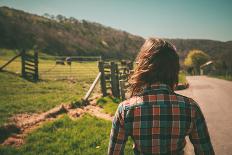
<point>156,118</point>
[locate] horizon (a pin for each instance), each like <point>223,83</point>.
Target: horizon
<point>185,13</point>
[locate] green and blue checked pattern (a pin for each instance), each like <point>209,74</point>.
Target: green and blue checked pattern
<point>158,121</point>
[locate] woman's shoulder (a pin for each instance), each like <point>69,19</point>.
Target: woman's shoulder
<point>132,102</point>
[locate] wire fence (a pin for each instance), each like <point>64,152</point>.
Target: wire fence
<point>60,67</point>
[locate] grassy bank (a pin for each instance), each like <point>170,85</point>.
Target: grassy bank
<point>109,104</point>
<point>20,96</point>
<point>182,77</point>
<point>224,77</point>
<point>59,84</point>
<point>86,135</point>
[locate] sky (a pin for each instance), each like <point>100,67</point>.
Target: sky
<point>187,19</point>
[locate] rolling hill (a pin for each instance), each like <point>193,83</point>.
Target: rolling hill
<point>64,36</point>
<point>58,35</point>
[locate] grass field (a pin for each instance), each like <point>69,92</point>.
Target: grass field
<point>182,77</point>
<point>224,77</point>
<point>63,136</point>
<point>86,135</point>
<point>20,96</point>
<point>109,104</point>
<point>59,84</point>
<point>48,70</point>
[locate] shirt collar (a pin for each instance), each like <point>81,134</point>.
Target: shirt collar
<point>158,87</point>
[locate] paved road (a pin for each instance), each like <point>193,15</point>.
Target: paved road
<point>215,99</point>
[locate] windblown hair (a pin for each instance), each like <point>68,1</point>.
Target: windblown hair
<point>157,62</point>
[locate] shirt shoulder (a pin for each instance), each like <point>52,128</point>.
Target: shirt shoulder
<point>181,100</point>
<point>189,102</point>
<point>131,102</point>
<point>186,99</point>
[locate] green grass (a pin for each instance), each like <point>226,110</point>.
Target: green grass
<point>20,96</point>
<point>59,83</point>
<point>86,135</point>
<point>7,53</point>
<point>48,70</point>
<point>182,77</point>
<point>224,77</point>
<point>109,104</point>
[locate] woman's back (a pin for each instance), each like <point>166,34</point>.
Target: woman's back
<point>157,119</point>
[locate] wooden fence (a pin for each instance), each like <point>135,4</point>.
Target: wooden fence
<point>114,77</point>
<point>30,66</point>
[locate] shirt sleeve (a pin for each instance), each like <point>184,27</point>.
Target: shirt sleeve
<point>199,135</point>
<point>118,136</point>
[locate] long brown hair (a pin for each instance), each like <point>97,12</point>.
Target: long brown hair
<point>157,62</point>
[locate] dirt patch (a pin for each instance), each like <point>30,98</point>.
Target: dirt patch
<point>98,112</point>
<point>22,124</point>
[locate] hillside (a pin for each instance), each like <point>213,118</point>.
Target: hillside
<point>68,36</point>
<point>64,36</point>
<point>220,52</point>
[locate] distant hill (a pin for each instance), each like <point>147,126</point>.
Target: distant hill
<point>64,36</point>
<point>216,49</point>
<point>58,35</point>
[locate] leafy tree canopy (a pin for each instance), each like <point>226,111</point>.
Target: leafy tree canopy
<point>195,59</point>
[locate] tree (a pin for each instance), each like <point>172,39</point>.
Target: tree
<point>60,18</point>
<point>194,60</point>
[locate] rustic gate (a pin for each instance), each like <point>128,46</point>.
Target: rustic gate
<point>114,77</point>
<point>30,65</point>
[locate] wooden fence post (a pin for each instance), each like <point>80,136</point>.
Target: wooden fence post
<point>122,89</point>
<point>92,87</point>
<point>12,59</point>
<point>23,64</point>
<point>130,65</point>
<point>114,79</point>
<point>36,76</point>
<point>117,80</point>
<point>103,82</point>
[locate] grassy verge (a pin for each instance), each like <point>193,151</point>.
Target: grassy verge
<point>87,135</point>
<point>19,96</point>
<point>182,77</point>
<point>62,83</point>
<point>224,77</point>
<point>48,70</point>
<point>109,104</point>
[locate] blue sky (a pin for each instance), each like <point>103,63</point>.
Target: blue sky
<point>197,19</point>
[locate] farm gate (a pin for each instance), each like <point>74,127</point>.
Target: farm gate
<point>32,65</point>
<point>29,68</point>
<point>70,68</point>
<point>114,77</point>
<point>27,65</point>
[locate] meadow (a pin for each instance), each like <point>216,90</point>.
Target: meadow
<point>59,84</point>
<point>224,77</point>
<point>64,135</point>
<point>86,135</point>
<point>21,96</point>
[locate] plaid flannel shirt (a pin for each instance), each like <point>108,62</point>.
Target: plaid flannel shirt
<point>158,121</point>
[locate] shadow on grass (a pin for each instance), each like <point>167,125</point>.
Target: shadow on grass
<point>8,130</point>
